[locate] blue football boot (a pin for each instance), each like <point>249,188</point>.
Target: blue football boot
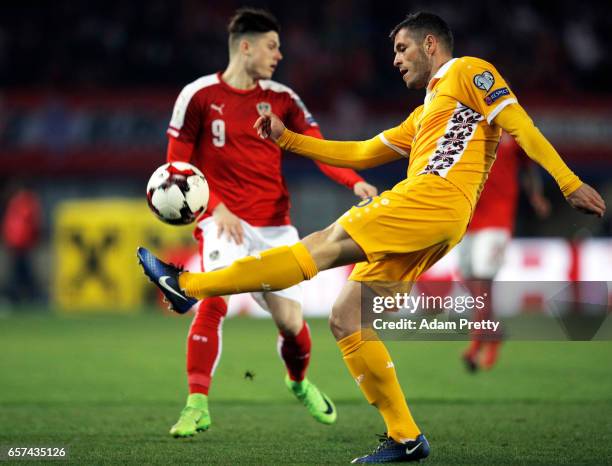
<point>390,451</point>
<point>165,277</point>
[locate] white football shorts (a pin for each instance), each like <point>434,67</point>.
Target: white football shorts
<point>482,252</point>
<point>217,253</point>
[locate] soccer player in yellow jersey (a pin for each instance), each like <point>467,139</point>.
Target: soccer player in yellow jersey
<point>450,142</point>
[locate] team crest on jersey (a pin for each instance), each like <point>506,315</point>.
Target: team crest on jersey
<point>264,107</point>
<point>484,81</point>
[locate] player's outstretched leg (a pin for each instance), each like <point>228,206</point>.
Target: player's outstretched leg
<point>194,417</point>
<point>165,277</point>
<point>274,269</point>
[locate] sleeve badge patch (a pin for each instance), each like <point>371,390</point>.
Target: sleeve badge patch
<point>496,94</point>
<point>484,81</point>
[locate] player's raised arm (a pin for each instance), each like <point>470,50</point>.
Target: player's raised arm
<point>481,87</point>
<point>351,154</point>
<point>515,120</point>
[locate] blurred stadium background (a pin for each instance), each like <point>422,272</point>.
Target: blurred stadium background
<point>86,92</point>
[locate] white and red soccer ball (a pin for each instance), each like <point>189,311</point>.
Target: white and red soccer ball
<point>177,193</point>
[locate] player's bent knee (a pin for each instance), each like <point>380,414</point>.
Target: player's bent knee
<point>335,325</point>
<point>287,314</point>
<point>345,318</point>
<point>342,327</point>
<point>291,326</point>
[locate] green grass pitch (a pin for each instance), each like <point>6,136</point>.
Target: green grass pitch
<point>110,388</point>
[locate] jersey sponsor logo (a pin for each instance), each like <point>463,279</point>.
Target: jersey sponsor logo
<point>214,255</point>
<point>484,81</point>
<point>263,107</point>
<point>496,94</point>
<point>218,108</point>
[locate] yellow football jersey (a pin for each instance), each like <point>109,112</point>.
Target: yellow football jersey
<point>451,141</point>
<point>451,134</point>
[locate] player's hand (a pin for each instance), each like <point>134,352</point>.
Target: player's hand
<point>587,200</point>
<point>540,204</point>
<point>364,190</point>
<point>269,126</point>
<point>228,224</point>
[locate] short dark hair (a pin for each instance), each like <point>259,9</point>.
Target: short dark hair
<point>252,20</point>
<point>422,23</point>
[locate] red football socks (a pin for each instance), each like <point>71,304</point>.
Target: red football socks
<point>295,352</point>
<point>204,344</point>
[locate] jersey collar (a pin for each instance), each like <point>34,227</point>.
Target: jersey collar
<point>440,73</point>
<point>235,90</point>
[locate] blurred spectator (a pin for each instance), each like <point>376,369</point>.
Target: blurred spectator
<point>582,44</point>
<point>21,226</point>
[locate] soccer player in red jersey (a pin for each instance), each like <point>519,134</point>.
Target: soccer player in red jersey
<point>481,253</point>
<point>248,211</point>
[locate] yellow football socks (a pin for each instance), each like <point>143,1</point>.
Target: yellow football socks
<point>370,365</point>
<point>274,269</point>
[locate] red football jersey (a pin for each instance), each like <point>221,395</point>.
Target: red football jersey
<point>496,207</point>
<point>242,169</point>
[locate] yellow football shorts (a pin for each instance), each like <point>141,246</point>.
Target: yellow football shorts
<point>408,229</point>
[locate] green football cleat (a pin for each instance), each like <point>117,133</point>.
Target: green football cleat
<point>194,417</point>
<point>317,403</point>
